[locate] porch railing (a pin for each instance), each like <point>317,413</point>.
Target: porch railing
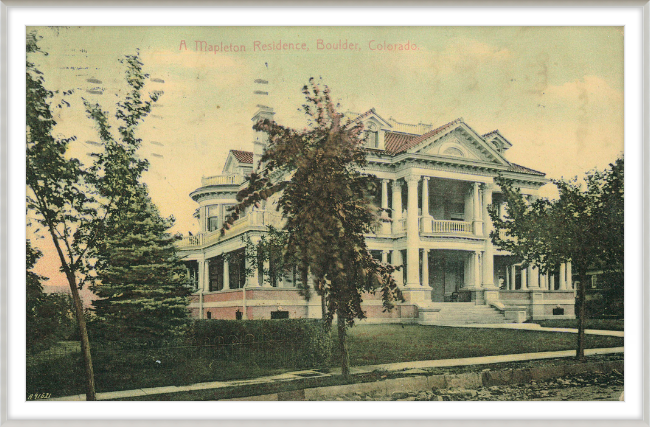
<point>255,218</point>
<point>430,225</point>
<point>229,179</point>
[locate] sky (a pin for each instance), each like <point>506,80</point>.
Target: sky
<point>556,93</point>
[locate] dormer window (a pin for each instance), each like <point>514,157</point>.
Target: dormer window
<point>372,135</point>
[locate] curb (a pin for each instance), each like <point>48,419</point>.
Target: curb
<point>468,381</point>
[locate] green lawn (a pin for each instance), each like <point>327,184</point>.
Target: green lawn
<point>605,324</point>
<point>369,345</point>
<point>377,344</point>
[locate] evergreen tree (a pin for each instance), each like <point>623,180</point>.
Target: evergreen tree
<point>138,277</point>
<point>140,281</point>
<point>328,208</point>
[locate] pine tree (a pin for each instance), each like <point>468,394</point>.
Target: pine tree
<point>138,276</point>
<point>140,281</point>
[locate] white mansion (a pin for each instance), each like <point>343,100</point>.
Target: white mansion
<point>437,183</point>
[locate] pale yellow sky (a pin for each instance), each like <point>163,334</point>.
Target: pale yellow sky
<point>556,93</point>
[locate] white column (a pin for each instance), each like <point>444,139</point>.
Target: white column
<point>533,277</point>
<point>412,234</point>
<point>385,226</point>
<point>384,257</point>
<point>551,282</point>
<point>562,277</point>
<point>427,227</point>
<point>476,207</point>
<point>488,268</point>
<point>543,281</point>
<point>266,267</point>
<point>202,280</point>
<point>203,214</point>
<point>254,280</point>
<point>485,216</point>
<point>425,267</point>
<point>507,278</point>
<point>476,270</point>
<point>569,276</point>
<point>524,281</point>
<point>397,205</point>
<point>513,277</point>
<point>397,261</point>
<point>425,196</point>
<point>488,260</point>
<point>226,274</point>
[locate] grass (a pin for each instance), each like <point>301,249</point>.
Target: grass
<point>369,345</point>
<point>378,344</point>
<point>603,324</point>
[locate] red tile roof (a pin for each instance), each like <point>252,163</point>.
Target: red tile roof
<point>518,168</point>
<point>243,156</point>
<point>394,141</point>
<point>414,140</point>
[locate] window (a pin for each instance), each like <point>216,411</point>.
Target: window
<point>212,218</point>
<point>193,275</point>
<point>372,136</point>
<point>237,269</point>
<point>453,151</point>
<point>279,314</point>
<point>215,268</point>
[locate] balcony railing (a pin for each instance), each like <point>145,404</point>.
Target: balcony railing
<point>430,225</point>
<point>231,179</point>
<point>253,219</point>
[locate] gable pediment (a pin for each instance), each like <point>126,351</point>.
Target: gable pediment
<point>461,142</point>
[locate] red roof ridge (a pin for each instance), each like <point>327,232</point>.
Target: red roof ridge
<point>415,141</point>
<point>243,156</point>
<point>519,168</point>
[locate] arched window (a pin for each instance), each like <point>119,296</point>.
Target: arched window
<point>453,151</point>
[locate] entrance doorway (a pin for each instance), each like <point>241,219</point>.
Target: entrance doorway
<point>446,274</point>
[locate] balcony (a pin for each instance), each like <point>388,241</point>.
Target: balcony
<point>230,179</point>
<point>252,220</point>
<point>430,225</point>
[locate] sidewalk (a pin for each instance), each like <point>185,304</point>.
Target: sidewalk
<point>301,375</point>
<point>537,327</point>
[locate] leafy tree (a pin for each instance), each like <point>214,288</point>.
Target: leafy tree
<point>584,226</point>
<point>50,317</point>
<point>138,277</point>
<point>327,205</point>
<point>59,196</point>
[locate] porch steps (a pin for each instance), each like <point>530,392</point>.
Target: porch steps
<point>459,313</point>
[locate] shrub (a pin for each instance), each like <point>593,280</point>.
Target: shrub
<point>308,340</point>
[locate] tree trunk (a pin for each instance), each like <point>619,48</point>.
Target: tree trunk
<point>343,346</point>
<point>81,319</point>
<point>580,352</point>
<point>85,342</point>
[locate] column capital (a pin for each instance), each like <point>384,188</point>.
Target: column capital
<point>412,179</point>
<point>425,178</point>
